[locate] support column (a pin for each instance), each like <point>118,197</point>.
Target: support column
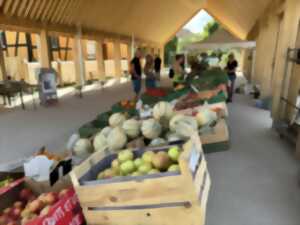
<point>100,59</point>
<point>44,50</point>
<point>117,58</point>
<point>162,56</point>
<point>78,59</point>
<point>2,65</point>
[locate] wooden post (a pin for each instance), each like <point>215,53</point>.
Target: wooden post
<point>162,56</point>
<point>2,64</point>
<point>78,59</point>
<point>117,58</point>
<point>100,59</point>
<point>44,50</point>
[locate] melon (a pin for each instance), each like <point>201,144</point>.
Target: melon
<point>100,142</point>
<point>116,119</point>
<point>151,128</point>
<point>83,147</point>
<point>183,125</point>
<point>132,128</point>
<point>172,137</point>
<point>105,131</point>
<point>163,111</point>
<point>116,139</point>
<point>158,142</point>
<point>206,116</point>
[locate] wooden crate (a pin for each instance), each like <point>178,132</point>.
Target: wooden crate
<point>158,199</point>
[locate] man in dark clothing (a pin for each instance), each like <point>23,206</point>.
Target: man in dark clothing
<point>157,66</point>
<point>231,71</point>
<point>136,73</point>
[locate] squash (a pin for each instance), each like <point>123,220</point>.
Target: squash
<point>116,139</point>
<point>151,128</point>
<point>100,142</point>
<point>105,131</point>
<point>183,125</point>
<point>172,137</point>
<point>82,147</point>
<point>132,128</point>
<point>206,116</point>
<point>116,119</point>
<point>163,110</point>
<point>158,142</point>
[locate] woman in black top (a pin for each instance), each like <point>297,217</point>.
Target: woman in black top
<point>231,67</point>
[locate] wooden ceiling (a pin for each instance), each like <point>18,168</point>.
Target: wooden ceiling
<point>154,21</point>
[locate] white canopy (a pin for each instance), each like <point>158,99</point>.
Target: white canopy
<point>221,39</point>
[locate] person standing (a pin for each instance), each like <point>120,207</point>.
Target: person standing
<point>231,67</point>
<point>136,73</point>
<point>150,72</point>
<point>178,68</point>
<point>157,66</point>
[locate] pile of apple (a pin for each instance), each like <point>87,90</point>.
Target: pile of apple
<point>29,207</point>
<point>149,163</point>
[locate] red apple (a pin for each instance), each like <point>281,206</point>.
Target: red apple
<point>3,220</point>
<point>18,204</point>
<point>62,193</point>
<point>7,211</point>
<point>45,211</point>
<point>16,213</point>
<point>25,194</point>
<point>35,206</point>
<point>50,198</point>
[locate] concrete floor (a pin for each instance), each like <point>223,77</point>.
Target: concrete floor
<point>257,181</point>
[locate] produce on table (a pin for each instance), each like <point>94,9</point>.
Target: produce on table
<point>149,163</point>
<point>116,120</point>
<point>132,128</point>
<point>100,142</point>
<point>128,104</point>
<point>29,207</point>
<point>151,129</point>
<point>163,112</point>
<point>172,137</point>
<point>158,142</point>
<point>82,147</point>
<point>105,131</point>
<point>116,139</point>
<point>183,125</point>
<point>206,116</point>
<point>6,182</point>
<point>174,153</point>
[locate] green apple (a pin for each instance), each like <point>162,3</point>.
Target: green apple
<point>125,155</point>
<point>174,168</point>
<point>136,173</point>
<point>147,156</point>
<point>127,167</point>
<point>108,173</point>
<point>153,171</point>
<point>174,153</point>
<point>138,162</point>
<point>145,168</point>
<point>115,164</point>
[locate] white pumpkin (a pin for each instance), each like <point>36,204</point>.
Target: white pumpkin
<point>83,147</point>
<point>100,142</point>
<point>116,119</point>
<point>171,137</point>
<point>116,139</point>
<point>132,128</point>
<point>105,131</point>
<point>158,142</point>
<point>151,128</point>
<point>206,116</point>
<point>163,110</point>
<point>183,125</point>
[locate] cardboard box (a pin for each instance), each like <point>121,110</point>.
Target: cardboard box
<point>66,210</point>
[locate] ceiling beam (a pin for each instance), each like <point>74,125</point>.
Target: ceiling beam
<point>22,7</point>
